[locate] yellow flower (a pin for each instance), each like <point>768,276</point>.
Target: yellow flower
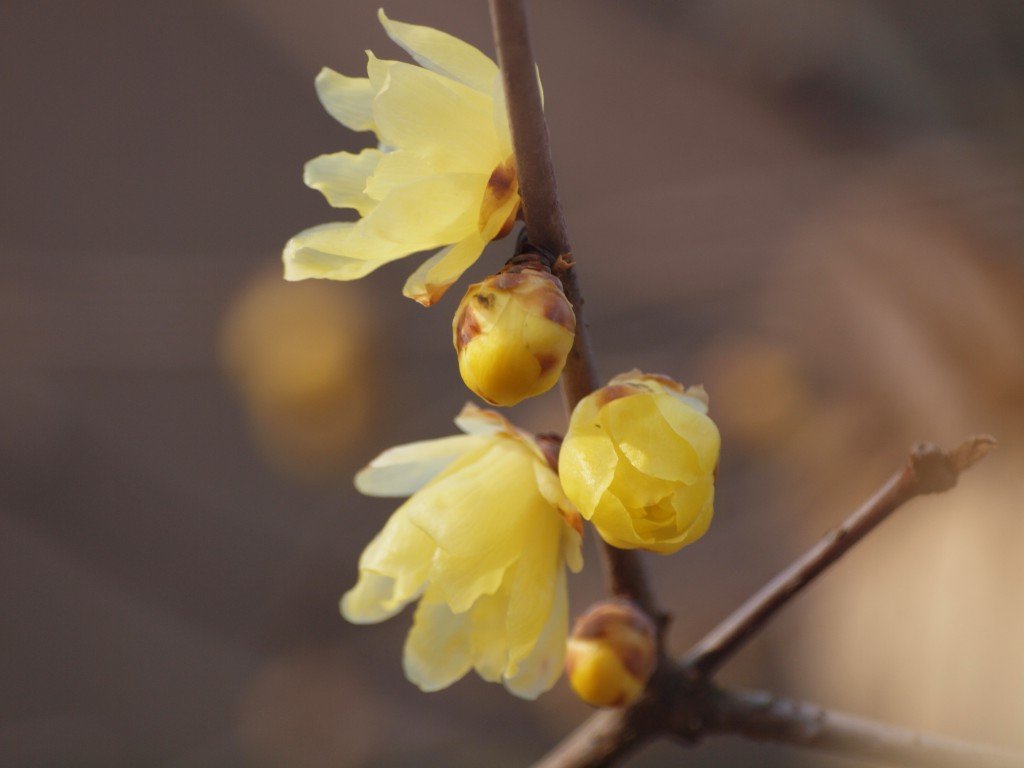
<point>482,543</point>
<point>639,461</point>
<point>611,654</point>
<point>512,333</point>
<point>443,174</point>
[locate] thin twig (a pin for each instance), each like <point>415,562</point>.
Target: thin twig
<point>600,741</point>
<point>929,470</point>
<point>764,717</point>
<point>545,228</point>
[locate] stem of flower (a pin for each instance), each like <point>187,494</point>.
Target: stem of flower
<point>545,228</point>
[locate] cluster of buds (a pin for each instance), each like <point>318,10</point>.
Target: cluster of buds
<point>513,333</point>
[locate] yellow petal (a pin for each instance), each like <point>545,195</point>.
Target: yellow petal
<point>638,490</point>
<point>643,434</point>
<point>393,570</point>
<point>587,459</point>
<point>695,427</point>
<point>436,210</point>
<point>435,117</point>
<point>349,100</point>
<point>543,666</point>
<point>442,53</point>
<point>396,169</point>
<point>403,470</point>
<point>342,176</point>
<point>488,638</point>
<point>437,649</point>
<point>476,520</point>
<point>474,420</point>
<point>534,582</point>
<point>614,523</point>
<point>572,548</point>
<point>436,275</point>
<point>500,116</point>
<point>316,253</point>
<point>694,506</point>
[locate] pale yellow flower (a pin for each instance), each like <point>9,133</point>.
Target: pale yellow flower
<point>482,542</point>
<point>443,174</point>
<point>639,461</point>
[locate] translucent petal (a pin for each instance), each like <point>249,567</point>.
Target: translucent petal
<point>638,490</point>
<point>614,522</point>
<point>442,53</point>
<point>316,253</point>
<point>342,176</point>
<point>641,429</point>
<point>694,507</point>
<point>488,638</point>
<point>372,599</point>
<point>465,580</point>
<point>695,427</point>
<point>392,571</point>
<point>437,118</point>
<point>572,548</point>
<point>474,420</point>
<point>349,100</point>
<point>438,648</point>
<point>539,670</point>
<point>478,512</point>
<point>587,459</point>
<point>501,125</point>
<point>435,275</point>
<point>397,169</point>
<point>534,581</point>
<point>429,283</point>
<point>436,210</point>
<point>403,470</point>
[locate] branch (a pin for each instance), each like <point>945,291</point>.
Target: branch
<point>929,470</point>
<point>600,741</point>
<point>545,228</point>
<point>764,717</point>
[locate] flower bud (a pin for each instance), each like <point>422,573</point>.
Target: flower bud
<point>639,461</point>
<point>611,654</point>
<point>513,333</point>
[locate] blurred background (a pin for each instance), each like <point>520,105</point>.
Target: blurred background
<point>814,207</point>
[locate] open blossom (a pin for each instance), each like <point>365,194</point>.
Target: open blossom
<point>442,175</point>
<point>639,461</point>
<point>482,542</point>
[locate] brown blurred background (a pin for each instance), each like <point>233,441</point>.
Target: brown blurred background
<point>816,207</point>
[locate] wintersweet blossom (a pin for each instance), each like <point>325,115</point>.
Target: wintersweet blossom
<point>639,461</point>
<point>482,542</point>
<point>442,175</point>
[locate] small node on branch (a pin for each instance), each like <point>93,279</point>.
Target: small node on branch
<point>935,470</point>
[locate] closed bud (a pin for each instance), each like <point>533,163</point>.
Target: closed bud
<point>513,332</point>
<point>639,461</point>
<point>611,654</point>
